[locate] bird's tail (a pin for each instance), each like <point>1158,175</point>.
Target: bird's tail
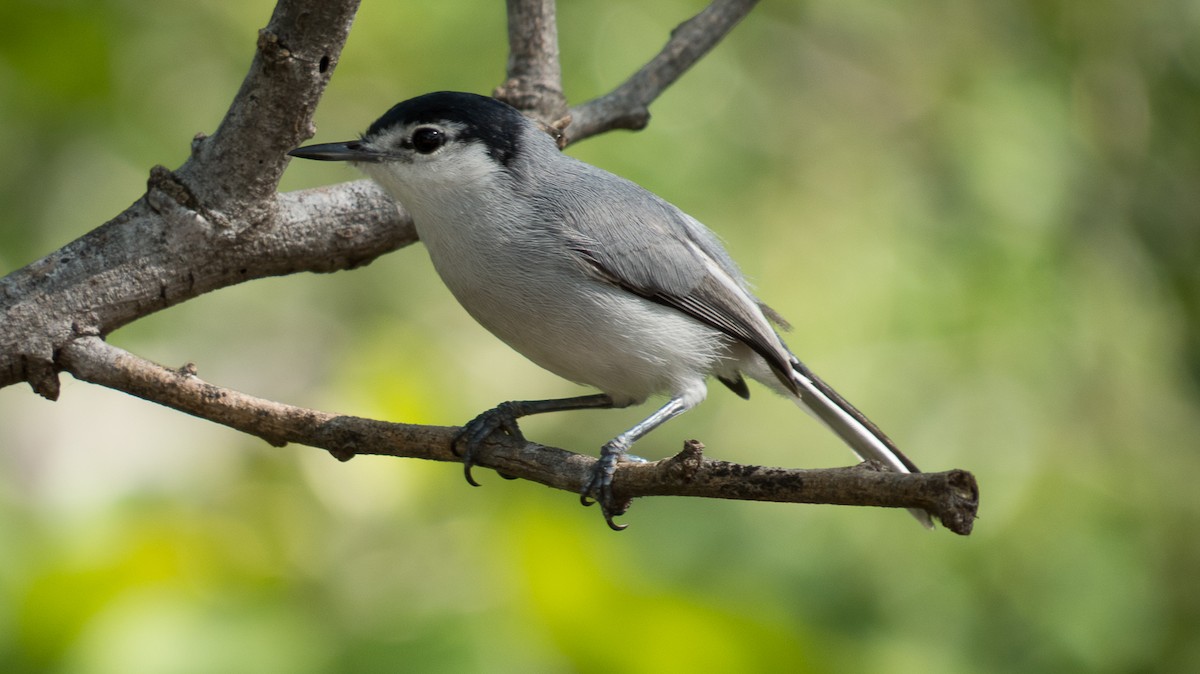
<point>853,427</point>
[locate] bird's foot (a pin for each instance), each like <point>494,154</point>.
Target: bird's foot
<point>502,417</point>
<point>600,486</point>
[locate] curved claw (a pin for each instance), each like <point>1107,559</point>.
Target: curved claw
<point>594,484</point>
<point>475,431</point>
<point>601,484</point>
<point>608,517</point>
<point>467,464</point>
<point>466,453</point>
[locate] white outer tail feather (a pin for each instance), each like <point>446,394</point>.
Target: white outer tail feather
<point>863,440</point>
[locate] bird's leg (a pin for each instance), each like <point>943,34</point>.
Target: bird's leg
<point>504,417</point>
<point>612,451</point>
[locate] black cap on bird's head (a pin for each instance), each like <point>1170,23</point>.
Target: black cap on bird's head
<point>493,123</point>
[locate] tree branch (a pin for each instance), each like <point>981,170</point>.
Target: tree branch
<point>212,223</point>
<point>628,106</point>
<point>534,82</point>
<point>216,221</point>
<point>951,496</point>
<point>237,169</point>
<point>157,254</point>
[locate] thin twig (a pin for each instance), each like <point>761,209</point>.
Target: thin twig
<point>628,106</point>
<point>950,496</point>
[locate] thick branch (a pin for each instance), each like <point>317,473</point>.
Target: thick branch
<point>233,173</point>
<point>628,106</point>
<point>950,496</point>
<point>157,254</point>
<point>214,222</point>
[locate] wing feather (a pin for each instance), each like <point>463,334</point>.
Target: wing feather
<point>668,257</point>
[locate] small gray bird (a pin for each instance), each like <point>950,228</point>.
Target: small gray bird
<point>586,274</point>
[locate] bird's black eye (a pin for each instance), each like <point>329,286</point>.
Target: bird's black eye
<point>427,140</point>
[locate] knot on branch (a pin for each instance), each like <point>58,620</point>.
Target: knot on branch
<point>684,465</point>
<point>170,197</point>
<point>274,51</point>
<point>963,497</point>
<point>165,192</point>
<point>42,376</point>
<point>557,130</point>
<point>544,102</point>
<point>270,47</point>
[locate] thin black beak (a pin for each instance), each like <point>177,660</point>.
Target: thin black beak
<point>351,150</point>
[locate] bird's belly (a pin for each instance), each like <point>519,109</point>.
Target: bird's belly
<point>582,329</point>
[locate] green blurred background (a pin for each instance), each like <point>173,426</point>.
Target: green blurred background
<point>983,218</point>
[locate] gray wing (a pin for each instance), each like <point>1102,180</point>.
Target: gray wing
<point>698,278</point>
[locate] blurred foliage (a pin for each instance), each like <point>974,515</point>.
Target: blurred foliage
<point>984,219</point>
